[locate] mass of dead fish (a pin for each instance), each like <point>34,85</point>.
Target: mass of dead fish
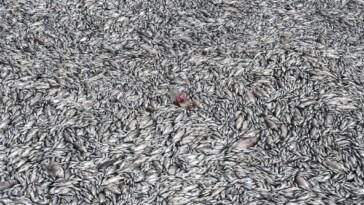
<point>277,89</point>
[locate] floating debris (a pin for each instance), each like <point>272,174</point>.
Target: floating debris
<point>180,99</point>
<point>150,109</point>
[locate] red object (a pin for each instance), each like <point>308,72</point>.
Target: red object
<point>180,98</point>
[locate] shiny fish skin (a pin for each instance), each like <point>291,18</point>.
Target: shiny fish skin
<point>271,124</point>
<point>79,146</point>
<point>6,184</point>
<point>197,104</point>
<point>284,130</point>
<point>55,170</point>
<point>179,134</point>
<point>238,123</point>
<point>251,96</point>
<point>86,118</point>
<point>132,124</point>
<point>302,182</point>
<point>244,143</point>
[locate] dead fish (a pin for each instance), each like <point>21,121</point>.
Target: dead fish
<point>88,104</point>
<point>179,134</point>
<point>336,165</point>
<point>55,170</point>
<point>329,121</point>
<point>313,132</point>
<point>150,109</point>
<point>252,133</point>
<point>40,41</point>
<point>278,109</point>
<point>6,184</point>
<point>239,121</point>
<point>36,98</point>
<point>244,143</point>
<point>251,96</point>
<point>112,180</point>
<point>306,103</point>
<point>269,141</point>
<point>302,182</point>
<point>245,125</point>
<point>4,123</point>
<point>41,85</point>
<point>238,71</point>
<point>271,124</point>
<point>284,130</point>
<point>79,146</point>
<point>167,128</point>
<point>132,124</point>
<point>131,135</point>
<point>197,104</point>
<point>150,49</point>
<point>104,164</point>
